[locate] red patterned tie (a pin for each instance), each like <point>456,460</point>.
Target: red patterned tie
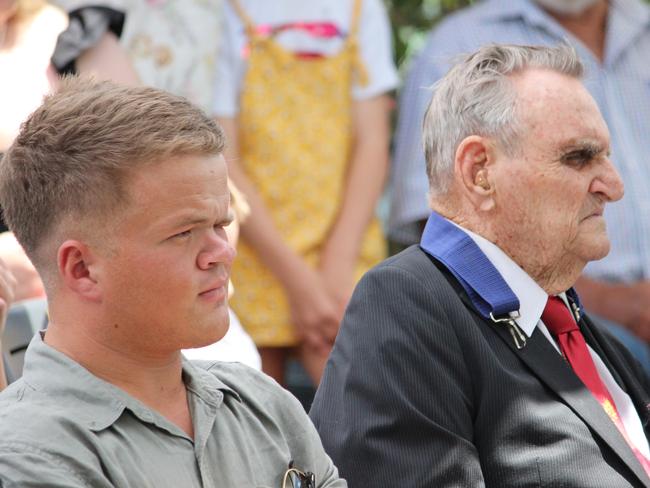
<point>560,323</point>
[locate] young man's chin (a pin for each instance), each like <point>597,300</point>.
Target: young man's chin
<point>211,333</point>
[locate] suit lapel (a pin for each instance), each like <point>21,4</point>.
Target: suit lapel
<point>551,368</point>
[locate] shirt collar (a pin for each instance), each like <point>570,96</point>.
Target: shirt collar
<point>627,18</point>
<point>634,10</point>
<point>95,402</point>
<point>502,10</point>
<point>532,298</point>
<point>204,384</point>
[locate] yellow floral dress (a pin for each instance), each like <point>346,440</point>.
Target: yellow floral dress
<point>295,141</point>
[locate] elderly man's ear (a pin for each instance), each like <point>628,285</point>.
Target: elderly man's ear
<point>473,167</point>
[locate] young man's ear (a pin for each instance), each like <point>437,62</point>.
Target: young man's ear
<point>77,269</point>
<point>474,157</point>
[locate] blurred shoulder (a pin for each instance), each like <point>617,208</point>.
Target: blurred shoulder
<point>48,20</point>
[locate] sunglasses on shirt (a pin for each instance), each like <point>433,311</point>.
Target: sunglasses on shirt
<point>294,478</point>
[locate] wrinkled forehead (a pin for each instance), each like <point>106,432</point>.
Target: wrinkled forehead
<point>553,107</point>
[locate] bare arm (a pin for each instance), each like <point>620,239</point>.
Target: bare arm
<point>3,375</point>
<point>365,182</point>
<point>623,303</point>
<point>312,308</point>
<point>107,60</point>
<point>7,286</point>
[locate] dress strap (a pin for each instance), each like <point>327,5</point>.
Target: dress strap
<point>356,18</point>
<point>248,22</point>
<point>361,73</point>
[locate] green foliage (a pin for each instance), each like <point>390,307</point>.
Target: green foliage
<point>412,19</point>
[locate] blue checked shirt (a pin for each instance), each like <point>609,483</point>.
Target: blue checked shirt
<point>620,86</point>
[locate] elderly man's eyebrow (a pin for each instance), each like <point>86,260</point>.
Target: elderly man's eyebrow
<point>582,151</point>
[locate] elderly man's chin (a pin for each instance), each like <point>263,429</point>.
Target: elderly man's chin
<point>594,241</point>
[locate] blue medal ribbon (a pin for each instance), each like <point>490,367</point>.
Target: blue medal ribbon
<point>484,285</point>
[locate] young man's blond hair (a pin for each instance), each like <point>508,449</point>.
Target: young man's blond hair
<point>64,174</point>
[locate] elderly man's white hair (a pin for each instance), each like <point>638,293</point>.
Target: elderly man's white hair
<point>476,97</point>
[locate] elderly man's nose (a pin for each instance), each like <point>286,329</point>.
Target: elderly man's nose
<point>609,183</point>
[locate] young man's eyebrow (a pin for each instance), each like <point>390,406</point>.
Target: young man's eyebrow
<point>190,220</point>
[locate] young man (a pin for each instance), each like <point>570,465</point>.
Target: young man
<point>120,198</point>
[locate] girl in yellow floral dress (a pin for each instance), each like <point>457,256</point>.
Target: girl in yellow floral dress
<point>301,93</point>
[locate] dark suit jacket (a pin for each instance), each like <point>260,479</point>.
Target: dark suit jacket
<point>422,391</point>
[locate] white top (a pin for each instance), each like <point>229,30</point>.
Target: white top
<point>532,301</point>
<point>173,45</point>
<point>373,36</point>
<point>235,347</point>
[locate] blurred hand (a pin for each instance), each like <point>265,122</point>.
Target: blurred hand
<point>313,310</point>
<point>338,276</point>
<point>28,282</point>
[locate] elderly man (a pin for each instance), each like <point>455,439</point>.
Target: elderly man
<point>468,361</point>
<point>613,41</point>
<point>120,198</point>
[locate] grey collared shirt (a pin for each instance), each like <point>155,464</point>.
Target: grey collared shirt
<point>61,426</point>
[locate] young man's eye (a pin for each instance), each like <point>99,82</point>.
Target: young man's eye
<point>223,224</point>
<point>185,233</point>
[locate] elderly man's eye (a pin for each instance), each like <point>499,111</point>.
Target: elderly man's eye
<point>580,157</point>
<point>575,160</point>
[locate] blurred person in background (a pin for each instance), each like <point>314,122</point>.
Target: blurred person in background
<point>613,40</point>
<point>301,91</point>
<point>172,45</point>
<point>38,43</point>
